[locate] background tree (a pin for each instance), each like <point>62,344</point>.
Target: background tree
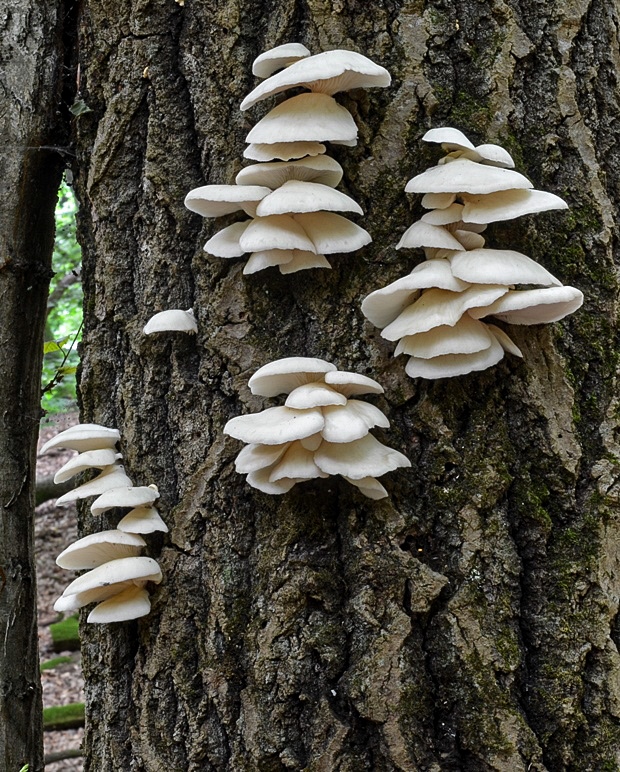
<point>470,621</point>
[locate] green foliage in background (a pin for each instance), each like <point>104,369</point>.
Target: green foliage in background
<point>64,318</point>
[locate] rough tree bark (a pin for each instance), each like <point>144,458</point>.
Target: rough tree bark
<point>470,621</point>
<point>31,120</point>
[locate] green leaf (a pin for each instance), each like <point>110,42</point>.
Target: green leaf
<point>55,345</point>
<point>79,107</point>
<point>66,370</point>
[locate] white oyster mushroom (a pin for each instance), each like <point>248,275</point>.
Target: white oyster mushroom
<point>98,548</point>
<point>508,204</point>
<point>172,320</point>
<point>276,58</point>
<point>284,151</point>
<point>125,497</point>
<point>366,457</point>
<point>111,477</point>
<point>320,168</point>
<point>83,437</point>
<point>345,423</point>
<point>500,266</point>
<point>255,456</point>
<point>284,375</point>
<point>302,261</point>
<point>295,196</point>
<point>464,176</point>
<point>423,234</point>
<point>369,486</point>
<point>536,306</point>
<point>89,459</point>
<point>331,233</point>
<point>467,336</point>
<point>352,384</point>
<point>451,365</point>
<point>225,243</point>
<point>287,260</point>
<point>314,395</point>
<point>277,231</point>
<point>296,463</point>
<point>131,603</point>
<point>275,425</point>
<point>143,519</point>
<point>218,200</point>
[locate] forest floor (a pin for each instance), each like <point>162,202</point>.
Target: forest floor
<point>55,529</point>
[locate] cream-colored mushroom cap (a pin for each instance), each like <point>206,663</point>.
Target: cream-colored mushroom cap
<point>366,457</point>
<point>91,551</point>
<point>260,480</point>
<point>369,487</point>
<point>276,58</point>
<point>225,243</point>
<point>464,176</point>
<point>108,579</point>
<point>327,72</point>
<point>132,603</point>
<point>352,384</point>
<point>467,336</point>
<point>302,261</point>
<point>447,216</point>
<point>218,200</point>
<point>254,456</point>
<point>508,204</point>
<point>143,519</point>
<point>296,196</point>
<point>296,463</point>
<point>275,425</point>
<point>331,233</point>
<point>111,477</point>
<point>448,138</point>
<point>125,496</point>
<point>287,260</point>
<point>345,423</point>
<point>284,375</point>
<point>315,394</point>
<point>90,459</point>
<point>500,266</point>
<point>84,437</point>
<point>276,231</point>
<point>536,306</point>
<point>285,151</point>
<point>450,365</point>
<point>320,168</point>
<point>172,320</point>
<point>424,234</point>
<point>305,118</point>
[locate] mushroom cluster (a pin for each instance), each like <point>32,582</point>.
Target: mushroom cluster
<point>435,312</point>
<point>117,574</point>
<point>321,429</point>
<point>289,196</point>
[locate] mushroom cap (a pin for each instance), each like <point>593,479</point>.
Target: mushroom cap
<point>125,497</point>
<point>449,365</point>
<point>131,603</point>
<point>111,477</point>
<point>320,168</point>
<point>284,375</point>
<point>446,216</point>
<point>464,176</point>
<point>275,426</point>
<point>143,519</point>
<point>508,204</point>
<point>331,233</point>
<point>260,480</point>
<point>535,306</point>
<point>437,307</point>
<point>366,457</point>
<point>172,320</point>
<point>505,342</point>
<point>84,437</point>
<point>296,463</point>
<point>315,394</point>
<point>448,138</point>
<point>276,58</point>
<point>305,118</point>
<point>284,151</point>
<point>108,579</point>
<point>302,261</point>
<point>369,487</point>
<point>296,196</point>
<point>225,243</point>
<point>467,336</point>
<point>384,305</point>
<point>424,234</point>
<point>327,72</point>
<point>500,266</point>
<point>268,258</point>
<point>345,423</point>
<point>495,155</point>
<point>218,200</point>
<point>437,200</point>
<point>91,551</point>
<point>255,456</point>
<point>469,239</point>
<point>90,459</point>
<point>352,384</point>
<point>276,231</point>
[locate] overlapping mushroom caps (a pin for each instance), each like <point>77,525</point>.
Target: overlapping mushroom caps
<point>435,312</point>
<point>321,430</point>
<point>117,573</point>
<point>295,213</point>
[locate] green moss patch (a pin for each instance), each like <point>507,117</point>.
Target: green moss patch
<point>63,717</point>
<point>65,634</point>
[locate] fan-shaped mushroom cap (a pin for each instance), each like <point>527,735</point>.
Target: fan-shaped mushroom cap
<point>495,155</point>
<point>277,231</point>
<point>90,459</point>
<point>144,519</point>
<point>284,375</point>
<point>536,306</point>
<point>327,73</point>
<point>345,423</point>
<point>83,437</point>
<point>296,463</point>
<point>314,394</point>
<point>423,234</point>
<point>295,196</point>
<point>467,336</point>
<point>218,200</point>
<point>366,457</point>
<point>225,243</point>
<point>172,320</point>
<point>285,151</point>
<point>275,425</point>
<point>287,260</point>
<point>352,384</point>
<point>446,216</point>
<point>468,239</point>
<point>125,496</point>
<point>464,176</point>
<point>91,551</point>
<point>107,580</point>
<point>276,58</point>
<point>110,477</point>
<point>132,603</point>
<point>369,487</point>
<point>437,200</point>
<point>500,266</point>
<point>260,480</point>
<point>508,204</point>
<point>305,118</point>
<point>505,342</point>
<point>320,168</point>
<point>383,305</point>
<point>332,233</point>
<point>438,307</point>
<point>253,457</point>
<point>302,261</point>
<point>450,365</point>
<point>448,138</point>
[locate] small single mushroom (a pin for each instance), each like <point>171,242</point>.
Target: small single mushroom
<point>275,425</point>
<point>260,480</point>
<point>111,477</point>
<point>508,204</point>
<point>172,320</point>
<point>91,551</point>
<point>464,176</point>
<point>284,151</point>
<point>352,384</point>
<point>255,456</point>
<point>125,497</point>
<point>284,375</point>
<point>370,487</point>
<point>500,266</point>
<point>83,437</point>
<point>450,139</point>
<point>276,58</point>
<point>423,234</point>
<point>142,519</point>
<point>218,200</point>
<point>225,243</point>
<point>90,459</point>
<point>320,168</point>
<point>438,200</point>
<point>131,603</point>
<point>295,196</point>
<point>535,306</point>
<point>446,216</point>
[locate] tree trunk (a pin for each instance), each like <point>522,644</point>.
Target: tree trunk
<point>468,622</point>
<point>30,171</point>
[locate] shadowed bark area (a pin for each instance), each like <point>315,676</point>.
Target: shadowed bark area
<point>469,622</point>
<point>31,51</point>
